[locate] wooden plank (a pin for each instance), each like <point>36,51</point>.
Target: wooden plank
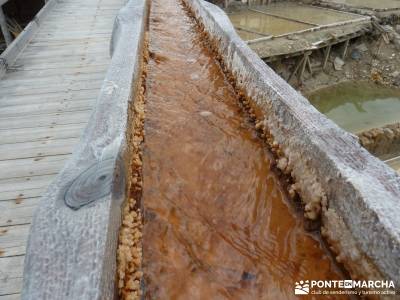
<point>44,74</point>
<point>55,79</point>
<point>91,27</point>
<point>364,20</point>
<point>18,211</point>
<point>59,66</point>
<point>66,43</point>
<point>69,60</point>
<point>23,192</point>
<point>11,269</point>
<point>43,120</point>
<point>75,41</point>
<point>45,165</point>
<point>49,46</point>
<point>43,108</point>
<point>88,49</point>
<point>72,35</point>
<point>58,97</point>
<point>13,239</point>
<point>97,24</point>
<point>16,296</point>
<point>40,134</point>
<point>74,85</point>
<point>37,149</point>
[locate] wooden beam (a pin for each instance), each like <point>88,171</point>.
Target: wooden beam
<point>4,29</point>
<point>346,46</point>
<point>296,68</point>
<point>250,31</point>
<point>303,66</point>
<point>379,46</point>
<point>309,65</point>
<point>327,54</point>
<point>314,29</point>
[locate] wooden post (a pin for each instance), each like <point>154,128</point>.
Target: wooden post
<point>4,29</point>
<point>309,65</point>
<point>379,46</point>
<point>303,66</point>
<point>327,53</point>
<point>346,45</point>
<point>296,68</point>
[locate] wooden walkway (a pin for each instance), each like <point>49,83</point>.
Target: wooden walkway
<point>45,102</point>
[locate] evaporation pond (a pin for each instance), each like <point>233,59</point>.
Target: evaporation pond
<point>394,163</point>
<point>374,4</point>
<point>264,24</point>
<point>358,106</point>
<point>306,13</point>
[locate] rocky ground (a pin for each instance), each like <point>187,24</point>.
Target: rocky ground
<point>369,57</point>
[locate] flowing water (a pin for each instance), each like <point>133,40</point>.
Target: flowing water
<point>358,106</point>
<point>217,222</point>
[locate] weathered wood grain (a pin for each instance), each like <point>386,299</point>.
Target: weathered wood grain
<point>56,69</point>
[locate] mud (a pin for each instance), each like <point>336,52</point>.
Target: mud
<point>218,223</point>
<point>383,142</point>
<point>368,59</point>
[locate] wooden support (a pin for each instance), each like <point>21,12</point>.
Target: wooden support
<point>327,54</point>
<point>303,67</point>
<point>346,46</point>
<point>313,29</point>
<point>4,29</point>
<point>379,46</point>
<point>226,3</point>
<point>296,68</point>
<point>309,65</point>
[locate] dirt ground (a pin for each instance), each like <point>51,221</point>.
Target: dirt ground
<point>365,60</point>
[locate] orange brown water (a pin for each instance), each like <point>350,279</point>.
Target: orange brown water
<point>217,223</point>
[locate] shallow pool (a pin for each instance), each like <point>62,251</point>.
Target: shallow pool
<point>394,162</point>
<point>264,25</point>
<point>358,106</point>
